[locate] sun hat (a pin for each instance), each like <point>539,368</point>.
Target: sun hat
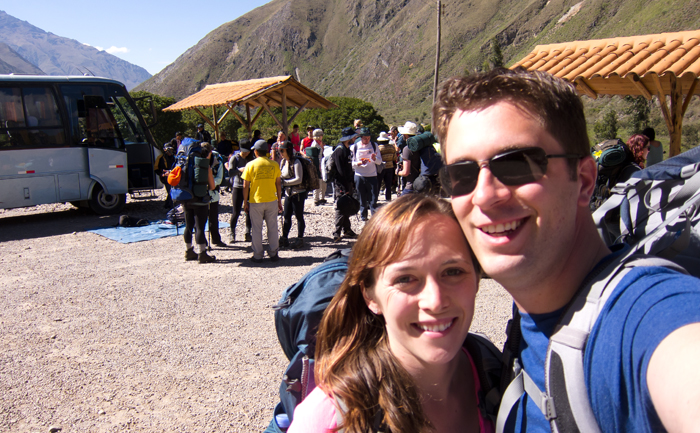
<point>409,128</point>
<point>347,134</point>
<point>383,136</point>
<point>364,131</point>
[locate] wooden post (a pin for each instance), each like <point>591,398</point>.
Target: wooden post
<point>285,126</point>
<point>676,115</point>
<point>216,124</point>
<point>437,60</point>
<point>249,124</point>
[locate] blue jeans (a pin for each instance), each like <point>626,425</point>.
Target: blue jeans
<point>367,190</point>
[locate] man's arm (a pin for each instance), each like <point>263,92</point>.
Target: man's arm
<point>246,188</point>
<point>278,184</point>
<point>673,379</point>
<point>406,168</point>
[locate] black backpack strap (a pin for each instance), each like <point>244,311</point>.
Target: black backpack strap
<point>488,362</point>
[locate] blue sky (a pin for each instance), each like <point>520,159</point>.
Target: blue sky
<point>147,33</point>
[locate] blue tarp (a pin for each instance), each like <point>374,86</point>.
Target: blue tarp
<point>154,230</point>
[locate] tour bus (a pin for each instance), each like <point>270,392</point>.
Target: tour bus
<point>72,139</point>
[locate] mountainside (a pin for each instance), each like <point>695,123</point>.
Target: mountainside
<point>383,51</point>
<point>56,55</point>
<point>13,63</point>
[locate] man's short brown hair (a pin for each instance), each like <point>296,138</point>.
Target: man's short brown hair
<point>551,100</point>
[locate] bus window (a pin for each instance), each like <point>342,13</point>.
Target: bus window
<point>100,126</point>
<point>29,117</point>
<point>128,121</point>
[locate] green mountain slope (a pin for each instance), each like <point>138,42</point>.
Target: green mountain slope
<point>383,51</point>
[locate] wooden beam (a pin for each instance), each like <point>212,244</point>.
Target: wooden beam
<point>585,88</point>
<point>676,95</point>
<point>223,116</point>
<point>294,116</point>
<point>243,122</point>
<point>267,108</point>
<point>662,102</point>
<point>634,78</point>
<point>216,124</point>
<point>257,115</point>
<point>206,119</point>
<point>285,125</point>
<point>688,97</point>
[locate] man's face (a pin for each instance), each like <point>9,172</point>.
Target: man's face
<point>365,139</point>
<point>519,233</point>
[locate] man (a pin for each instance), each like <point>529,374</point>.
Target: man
<point>262,197</point>
<point>216,163</point>
<point>178,139</point>
<point>388,152</point>
<point>315,154</point>
<point>225,147</point>
<point>365,161</point>
<point>163,165</point>
<point>343,182</point>
<point>308,140</point>
<point>202,134</point>
<point>410,167</point>
<point>517,154</point>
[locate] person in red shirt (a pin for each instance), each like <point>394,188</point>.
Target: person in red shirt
<point>308,140</point>
<point>295,138</point>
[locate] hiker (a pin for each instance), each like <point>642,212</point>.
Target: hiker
<point>292,174</point>
<point>315,153</point>
<point>656,150</point>
<point>308,140</point>
<point>410,167</point>
<point>388,152</point>
<point>389,346</point>
<point>294,137</point>
<point>163,165</point>
<point>343,183</point>
<point>202,134</point>
<point>217,168</point>
<point>521,176</point>
<point>236,165</point>
<point>196,214</point>
<point>365,161</point>
<point>225,147</point>
<point>638,145</point>
<point>179,136</point>
<point>274,149</point>
<point>262,195</point>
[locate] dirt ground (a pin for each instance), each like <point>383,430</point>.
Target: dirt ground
<point>100,336</point>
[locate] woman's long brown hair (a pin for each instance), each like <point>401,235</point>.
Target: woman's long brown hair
<point>353,359</point>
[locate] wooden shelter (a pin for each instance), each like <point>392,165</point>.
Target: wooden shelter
<point>262,93</point>
<point>666,64</point>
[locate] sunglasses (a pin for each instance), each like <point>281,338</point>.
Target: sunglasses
<point>512,168</point>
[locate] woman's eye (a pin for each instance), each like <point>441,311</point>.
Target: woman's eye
<point>402,280</point>
<point>453,272</point>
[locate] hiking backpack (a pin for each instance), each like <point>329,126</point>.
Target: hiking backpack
<point>430,160</point>
<point>614,162</point>
<point>330,169</point>
<point>193,183</point>
<point>297,317</point>
<point>309,178</point>
<point>656,213</point>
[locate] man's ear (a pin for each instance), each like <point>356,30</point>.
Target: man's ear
<point>371,304</point>
<point>587,172</point>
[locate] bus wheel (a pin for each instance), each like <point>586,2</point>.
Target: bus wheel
<point>106,204</point>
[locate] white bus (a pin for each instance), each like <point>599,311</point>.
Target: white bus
<point>80,140</point>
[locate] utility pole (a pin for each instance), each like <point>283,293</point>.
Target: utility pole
<point>437,58</point>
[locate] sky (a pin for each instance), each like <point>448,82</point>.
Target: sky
<point>147,33</point>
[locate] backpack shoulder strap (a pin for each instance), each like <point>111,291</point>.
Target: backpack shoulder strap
<point>488,362</point>
<point>565,403</point>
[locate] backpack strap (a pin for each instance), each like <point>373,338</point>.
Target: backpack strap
<point>488,362</point>
<point>565,403</point>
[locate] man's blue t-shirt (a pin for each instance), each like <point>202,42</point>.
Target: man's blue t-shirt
<point>646,306</point>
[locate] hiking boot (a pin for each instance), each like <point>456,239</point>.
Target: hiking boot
<point>284,242</point>
<point>220,244</point>
<point>248,237</point>
<point>298,243</point>
<point>190,254</point>
<point>275,258</point>
<point>206,258</point>
<point>254,260</point>
<point>232,239</point>
<point>350,235</point>
<point>317,203</point>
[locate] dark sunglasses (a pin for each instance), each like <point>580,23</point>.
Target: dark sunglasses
<point>514,167</point>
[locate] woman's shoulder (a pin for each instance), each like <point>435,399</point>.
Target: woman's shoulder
<point>316,414</point>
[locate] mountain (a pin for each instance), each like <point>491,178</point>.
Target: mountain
<point>13,63</point>
<point>56,55</point>
<point>383,51</point>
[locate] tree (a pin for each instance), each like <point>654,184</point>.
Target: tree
<point>168,122</point>
<point>606,129</point>
<point>638,111</point>
<point>496,55</point>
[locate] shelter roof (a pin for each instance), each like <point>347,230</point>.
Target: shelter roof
<point>254,93</point>
<point>617,66</point>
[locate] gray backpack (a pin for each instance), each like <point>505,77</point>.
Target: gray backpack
<point>657,214</point>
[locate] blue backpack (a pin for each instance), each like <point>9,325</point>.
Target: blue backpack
<point>193,185</point>
<point>430,160</point>
<point>297,317</point>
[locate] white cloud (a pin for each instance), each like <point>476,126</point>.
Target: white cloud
<point>115,50</point>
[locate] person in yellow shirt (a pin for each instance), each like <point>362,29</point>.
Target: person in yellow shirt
<point>262,193</point>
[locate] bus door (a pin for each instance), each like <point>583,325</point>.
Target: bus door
<point>107,160</point>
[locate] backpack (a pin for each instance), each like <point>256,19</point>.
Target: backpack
<point>329,168</point>
<point>614,162</point>
<point>657,212</point>
<point>193,172</point>
<point>297,317</point>
<point>430,159</point>
<point>309,178</point>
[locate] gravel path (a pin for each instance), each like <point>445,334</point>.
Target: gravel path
<point>103,337</point>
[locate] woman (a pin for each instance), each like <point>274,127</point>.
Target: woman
<point>292,176</point>
<point>638,144</point>
<point>197,212</point>
<point>274,148</point>
<point>390,343</point>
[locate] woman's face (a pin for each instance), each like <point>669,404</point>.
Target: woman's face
<point>427,295</point>
<point>281,137</point>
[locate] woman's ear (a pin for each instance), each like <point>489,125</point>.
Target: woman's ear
<point>371,304</point>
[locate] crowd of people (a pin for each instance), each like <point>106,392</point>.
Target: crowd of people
<point>363,167</point>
